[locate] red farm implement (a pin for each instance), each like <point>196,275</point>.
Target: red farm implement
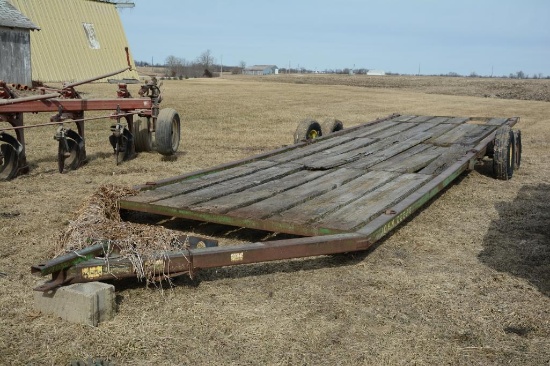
<point>135,135</point>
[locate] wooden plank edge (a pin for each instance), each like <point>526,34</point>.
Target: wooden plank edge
<point>199,173</point>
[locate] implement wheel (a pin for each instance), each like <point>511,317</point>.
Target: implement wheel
<point>9,161</point>
<point>308,129</point>
<point>331,125</point>
<point>167,131</point>
<point>504,155</point>
<point>143,138</point>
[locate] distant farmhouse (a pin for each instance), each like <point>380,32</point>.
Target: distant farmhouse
<point>15,45</point>
<point>376,72</point>
<point>78,39</point>
<point>261,70</point>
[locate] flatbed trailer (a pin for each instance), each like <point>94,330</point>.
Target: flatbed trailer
<point>338,193</point>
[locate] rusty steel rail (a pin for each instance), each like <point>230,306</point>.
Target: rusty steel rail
<point>75,105</point>
<point>192,259</point>
<point>5,102</point>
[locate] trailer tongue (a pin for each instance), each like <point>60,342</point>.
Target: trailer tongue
<point>338,193</point>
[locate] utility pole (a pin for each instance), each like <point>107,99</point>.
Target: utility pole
<point>221,65</point>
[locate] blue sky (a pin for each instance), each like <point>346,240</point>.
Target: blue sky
<point>462,36</point>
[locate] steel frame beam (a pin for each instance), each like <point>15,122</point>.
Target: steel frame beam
<point>74,105</point>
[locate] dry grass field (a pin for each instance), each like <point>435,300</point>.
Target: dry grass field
<point>465,281</point>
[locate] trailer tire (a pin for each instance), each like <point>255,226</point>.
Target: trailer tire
<point>504,154</point>
<point>308,129</point>
<point>167,131</point>
<point>143,138</point>
<point>517,139</point>
<point>331,125</point>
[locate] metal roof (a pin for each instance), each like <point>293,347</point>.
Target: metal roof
<point>261,67</point>
<point>12,18</point>
<point>79,39</point>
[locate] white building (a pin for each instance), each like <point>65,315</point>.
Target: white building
<point>261,70</point>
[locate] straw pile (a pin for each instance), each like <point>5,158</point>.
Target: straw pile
<point>99,219</point>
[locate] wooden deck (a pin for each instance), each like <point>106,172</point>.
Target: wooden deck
<point>340,183</point>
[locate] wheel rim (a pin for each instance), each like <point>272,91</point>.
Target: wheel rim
<point>175,136</point>
<point>313,134</point>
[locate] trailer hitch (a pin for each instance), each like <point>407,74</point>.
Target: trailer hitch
<point>102,260</point>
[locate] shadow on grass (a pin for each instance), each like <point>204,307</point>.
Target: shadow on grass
<point>519,241</point>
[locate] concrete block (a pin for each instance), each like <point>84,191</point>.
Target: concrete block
<point>84,303</point>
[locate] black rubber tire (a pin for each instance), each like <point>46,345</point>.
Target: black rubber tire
<point>143,138</point>
<point>517,138</point>
<point>308,129</point>
<point>504,153</point>
<point>331,125</point>
<point>167,131</point>
<point>8,162</point>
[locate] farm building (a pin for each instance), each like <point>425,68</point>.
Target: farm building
<point>78,39</point>
<point>376,72</point>
<point>15,47</point>
<point>261,70</point>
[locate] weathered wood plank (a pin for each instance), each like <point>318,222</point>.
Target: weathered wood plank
<point>257,193</point>
<point>191,184</point>
<point>367,161</point>
<point>311,149</point>
<point>450,156</point>
<point>457,120</point>
<point>230,186</point>
<point>406,118</point>
<point>351,156</point>
<point>320,157</point>
<point>422,119</point>
<point>439,120</point>
<point>497,121</point>
<point>335,160</point>
<point>321,205</point>
<point>290,198</point>
<point>412,160</point>
<point>369,130</point>
<point>363,210</point>
<point>463,134</point>
<point>387,132</point>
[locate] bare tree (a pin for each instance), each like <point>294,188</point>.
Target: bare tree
<point>172,64</point>
<point>206,59</point>
<point>521,75</point>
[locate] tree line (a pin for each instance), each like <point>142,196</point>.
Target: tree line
<point>203,66</point>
